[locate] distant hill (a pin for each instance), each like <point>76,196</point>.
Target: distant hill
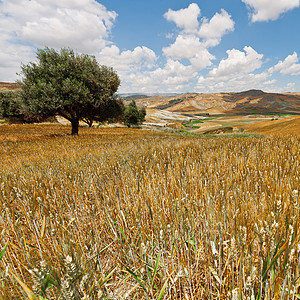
<point>124,95</point>
<point>9,86</point>
<point>134,97</point>
<point>247,102</point>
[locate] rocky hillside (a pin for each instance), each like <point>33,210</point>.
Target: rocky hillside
<point>248,102</point>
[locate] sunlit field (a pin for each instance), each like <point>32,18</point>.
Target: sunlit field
<point>136,214</point>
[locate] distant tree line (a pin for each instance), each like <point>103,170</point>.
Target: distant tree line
<point>71,85</point>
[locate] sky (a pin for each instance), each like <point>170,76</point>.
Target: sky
<point>163,46</point>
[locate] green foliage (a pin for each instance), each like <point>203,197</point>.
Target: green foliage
<point>133,115</point>
<point>134,97</point>
<point>72,85</point>
<point>192,124</point>
<point>9,104</point>
<point>13,110</point>
<point>197,121</point>
<point>111,111</point>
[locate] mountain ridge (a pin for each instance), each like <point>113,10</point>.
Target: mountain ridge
<point>246,102</point>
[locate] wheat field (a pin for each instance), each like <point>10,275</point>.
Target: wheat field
<point>135,214</point>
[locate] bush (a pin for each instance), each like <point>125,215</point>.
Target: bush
<point>133,116</point>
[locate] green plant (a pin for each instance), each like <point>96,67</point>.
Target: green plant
<point>12,108</point>
<point>133,115</point>
<point>192,125</point>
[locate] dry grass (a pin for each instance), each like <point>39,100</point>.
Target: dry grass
<point>132,214</point>
<point>282,127</point>
<point>266,125</point>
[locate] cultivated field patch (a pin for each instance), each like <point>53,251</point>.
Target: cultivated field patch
<point>134,214</point>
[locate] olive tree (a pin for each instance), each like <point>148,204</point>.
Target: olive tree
<point>72,85</point>
<point>111,110</point>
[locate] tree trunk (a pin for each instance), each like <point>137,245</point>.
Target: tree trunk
<point>88,121</point>
<point>75,125</point>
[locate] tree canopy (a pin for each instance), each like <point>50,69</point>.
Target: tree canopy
<point>10,104</point>
<point>72,85</point>
<point>133,115</point>
<point>12,108</point>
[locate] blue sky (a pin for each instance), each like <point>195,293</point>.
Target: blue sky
<point>163,45</point>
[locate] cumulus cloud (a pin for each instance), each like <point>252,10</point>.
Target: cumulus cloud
<point>186,18</point>
<point>214,29</point>
<point>139,58</point>
<point>174,76</point>
<point>185,57</point>
<point>241,82</point>
<point>265,10</point>
<point>82,25</point>
<point>241,71</point>
<point>11,56</point>
<point>185,46</point>
<point>85,26</point>
<point>238,62</point>
<point>289,66</point>
<point>211,30</point>
<point>235,72</point>
<point>290,87</point>
<point>189,47</point>
<point>193,41</point>
<point>139,72</point>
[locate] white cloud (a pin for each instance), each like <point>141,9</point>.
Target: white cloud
<point>185,46</point>
<point>270,82</point>
<point>85,26</point>
<point>240,71</point>
<point>136,60</point>
<point>289,66</point>
<point>214,29</point>
<point>193,42</point>
<point>11,56</point>
<point>139,73</point>
<point>189,47</point>
<point>174,76</point>
<point>290,87</point>
<point>238,62</point>
<point>82,25</point>
<point>235,72</point>
<point>190,44</point>
<point>186,18</point>
<point>241,82</point>
<point>210,31</point>
<point>265,10</point>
